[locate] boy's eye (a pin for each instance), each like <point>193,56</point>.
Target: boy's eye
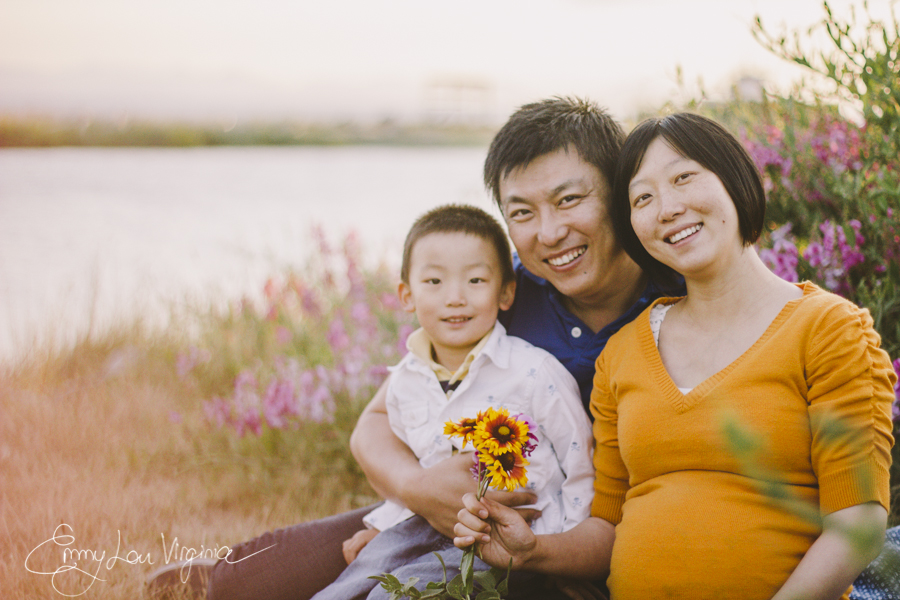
<point>433,281</point>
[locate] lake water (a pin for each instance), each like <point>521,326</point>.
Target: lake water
<point>91,234</point>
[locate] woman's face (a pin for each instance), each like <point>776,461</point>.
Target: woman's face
<point>682,214</point>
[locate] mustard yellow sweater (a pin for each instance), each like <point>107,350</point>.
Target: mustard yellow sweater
<point>708,490</point>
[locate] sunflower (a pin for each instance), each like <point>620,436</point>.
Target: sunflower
<point>505,470</point>
<point>498,433</point>
<point>465,429</point>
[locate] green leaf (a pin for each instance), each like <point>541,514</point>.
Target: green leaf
<point>443,567</point>
<point>485,579</point>
<point>455,588</point>
<point>503,585</point>
<point>466,567</point>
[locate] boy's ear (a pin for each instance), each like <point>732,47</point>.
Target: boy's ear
<point>507,294</point>
<point>406,298</point>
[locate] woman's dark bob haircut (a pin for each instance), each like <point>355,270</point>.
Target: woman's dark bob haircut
<point>705,141</point>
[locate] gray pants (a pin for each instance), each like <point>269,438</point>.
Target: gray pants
<point>407,550</point>
<point>296,562</point>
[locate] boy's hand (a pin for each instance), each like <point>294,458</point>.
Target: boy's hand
<point>359,540</point>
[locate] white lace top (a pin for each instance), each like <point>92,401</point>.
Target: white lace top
<point>657,314</point>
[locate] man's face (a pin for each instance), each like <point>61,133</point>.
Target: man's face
<point>557,212</point>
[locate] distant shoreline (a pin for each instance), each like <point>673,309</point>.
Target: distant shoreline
<point>36,132</point>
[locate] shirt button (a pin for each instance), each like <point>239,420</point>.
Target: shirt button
<point>576,332</point>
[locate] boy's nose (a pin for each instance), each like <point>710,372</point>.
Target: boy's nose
<point>455,296</point>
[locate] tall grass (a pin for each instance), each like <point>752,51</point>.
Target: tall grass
<point>115,437</point>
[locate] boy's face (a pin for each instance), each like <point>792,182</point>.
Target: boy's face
<point>455,288</point>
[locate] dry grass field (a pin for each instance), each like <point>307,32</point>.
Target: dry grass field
<point>105,450</point>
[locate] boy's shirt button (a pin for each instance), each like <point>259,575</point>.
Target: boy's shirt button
<point>576,332</point>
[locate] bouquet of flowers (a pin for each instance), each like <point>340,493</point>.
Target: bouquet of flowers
<point>502,445</point>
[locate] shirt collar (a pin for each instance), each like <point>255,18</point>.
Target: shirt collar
<point>419,344</point>
<point>651,292</point>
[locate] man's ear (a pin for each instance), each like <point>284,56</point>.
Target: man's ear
<point>406,298</point>
<point>507,294</point>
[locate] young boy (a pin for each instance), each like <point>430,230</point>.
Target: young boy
<point>456,276</point>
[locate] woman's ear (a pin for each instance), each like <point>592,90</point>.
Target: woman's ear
<point>507,294</point>
<point>404,292</point>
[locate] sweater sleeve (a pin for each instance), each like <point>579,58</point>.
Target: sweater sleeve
<point>850,381</point>
<point>610,474</point>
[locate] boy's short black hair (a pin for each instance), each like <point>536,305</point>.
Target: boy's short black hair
<point>459,218</point>
<point>557,123</point>
<point>700,139</point>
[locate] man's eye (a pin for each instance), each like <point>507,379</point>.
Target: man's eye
<point>569,199</point>
<point>518,214</point>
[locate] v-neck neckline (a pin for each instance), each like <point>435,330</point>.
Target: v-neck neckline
<point>680,401</point>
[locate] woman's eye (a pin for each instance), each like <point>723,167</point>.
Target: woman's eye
<point>477,280</point>
<point>683,177</point>
<point>640,199</point>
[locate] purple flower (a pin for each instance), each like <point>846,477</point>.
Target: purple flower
<point>279,402</point>
<point>186,362</point>
<point>337,336</point>
<point>782,257</point>
<point>834,256</point>
<point>896,406</point>
<point>532,442</point>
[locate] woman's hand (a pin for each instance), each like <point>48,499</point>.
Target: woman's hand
<point>502,534</point>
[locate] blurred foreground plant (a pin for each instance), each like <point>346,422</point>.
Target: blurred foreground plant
<point>832,184</point>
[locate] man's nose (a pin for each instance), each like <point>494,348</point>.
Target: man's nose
<point>552,229</point>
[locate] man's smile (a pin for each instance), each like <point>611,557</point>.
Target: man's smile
<point>561,261</point>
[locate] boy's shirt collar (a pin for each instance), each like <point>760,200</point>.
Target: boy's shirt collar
<point>419,344</point>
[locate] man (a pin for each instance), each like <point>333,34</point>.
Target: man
<point>550,169</point>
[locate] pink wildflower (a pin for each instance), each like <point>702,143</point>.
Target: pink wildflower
<point>283,335</point>
<point>782,257</point>
<point>896,407</point>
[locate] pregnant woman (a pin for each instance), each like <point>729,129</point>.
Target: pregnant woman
<point>742,431</point>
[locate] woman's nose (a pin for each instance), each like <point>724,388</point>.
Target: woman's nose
<point>670,206</point>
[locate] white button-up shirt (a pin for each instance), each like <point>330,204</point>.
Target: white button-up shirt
<point>509,373</point>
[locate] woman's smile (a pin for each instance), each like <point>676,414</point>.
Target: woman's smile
<point>687,232</point>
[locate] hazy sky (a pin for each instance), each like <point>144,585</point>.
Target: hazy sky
<point>365,59</point>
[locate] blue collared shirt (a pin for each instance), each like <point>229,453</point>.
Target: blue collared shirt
<point>538,316</point>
